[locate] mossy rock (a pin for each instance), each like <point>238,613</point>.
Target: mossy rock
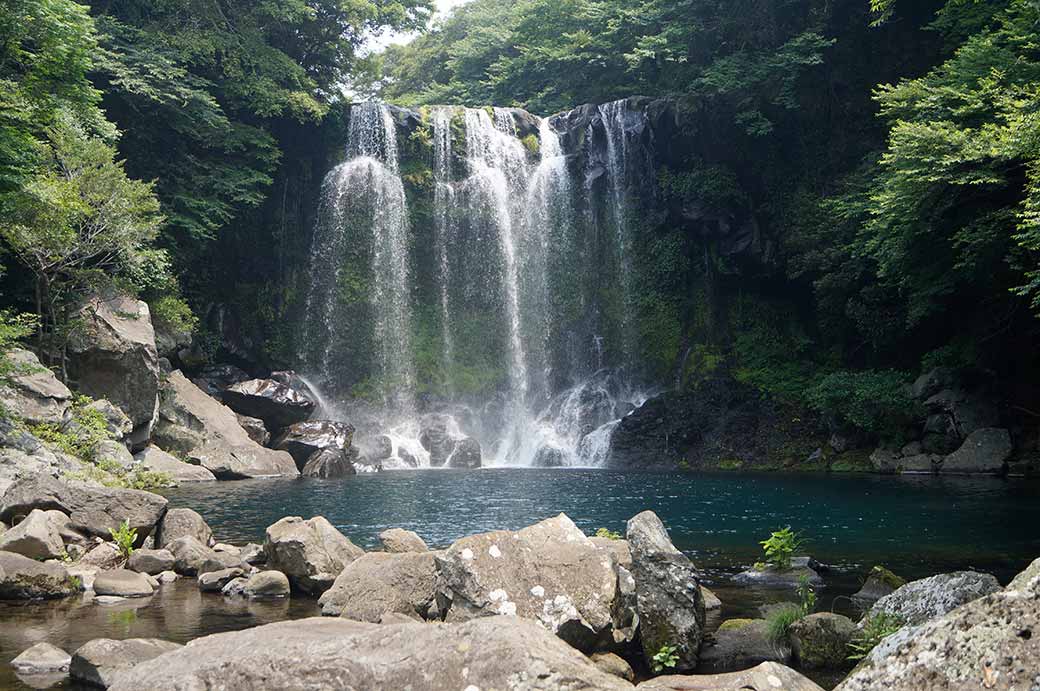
<point>879,583</point>
<point>730,464</point>
<point>854,461</point>
<point>734,624</point>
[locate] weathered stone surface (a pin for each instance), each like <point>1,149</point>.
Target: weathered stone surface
<point>613,665</point>
<point>398,540</point>
<point>191,556</point>
<point>92,510</point>
<point>330,463</point>
<point>737,645</point>
<point>158,461</point>
<point>820,641</point>
<point>22,578</point>
<point>208,433</point>
<point>151,561</point>
<point>253,554</point>
<point>549,572</point>
<point>502,653</point>
<point>34,394</point>
<point>880,582</point>
<point>36,537</point>
<point>311,553</point>
<point>181,522</point>
<point>214,581</point>
<point>23,456</point>
<point>215,379</point>
<point>918,601</point>
<point>255,428</point>
<point>984,451</point>
<point>304,439</point>
<point>466,454</point>
<point>380,582</point>
<point>277,404</point>
<point>266,584</point>
<point>104,555</point>
<point>989,643</point>
<point>42,658</point>
<point>768,676</point>
<point>769,576</point>
<point>100,662</point>
<point>435,436</point>
<point>122,583</point>
<point>1023,579</point>
<point>668,596</point>
<point>112,355</point>
<point>711,600</point>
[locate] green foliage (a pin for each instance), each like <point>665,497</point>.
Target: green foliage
<point>14,328</point>
<point>124,536</point>
<point>664,659</point>
<point>173,313</point>
<point>872,631</point>
<point>532,144</point>
<point>609,534</point>
<point>806,595</point>
<point>779,620</point>
<point>780,546</point>
<point>81,436</point>
<point>877,402</point>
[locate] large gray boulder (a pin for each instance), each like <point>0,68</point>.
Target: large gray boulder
<point>208,434</point>
<point>668,595</point>
<point>311,553</point>
<point>122,583</point>
<point>156,460</point>
<point>927,598</point>
<point>398,540</point>
<point>112,355</point>
<point>36,537</point>
<point>191,557</point>
<point>22,578</point>
<point>549,572</point>
<point>984,451</point>
<point>305,439</point>
<point>151,561</point>
<point>92,510</point>
<point>498,653</point>
<point>329,464</point>
<point>266,585</point>
<point>277,404</point>
<point>102,661</point>
<point>1024,578</point>
<point>42,658</point>
<point>821,640</point>
<point>182,522</point>
<point>768,676</point>
<point>33,393</point>
<point>380,582</point>
<point>989,643</point>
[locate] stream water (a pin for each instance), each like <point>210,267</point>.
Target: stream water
<point>918,526</point>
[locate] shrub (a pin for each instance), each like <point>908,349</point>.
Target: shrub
<point>609,534</point>
<point>89,427</point>
<point>124,536</point>
<point>780,619</point>
<point>874,401</point>
<point>664,658</point>
<point>780,547</point>
<point>806,595</point>
<point>872,631</point>
<point>174,313</point>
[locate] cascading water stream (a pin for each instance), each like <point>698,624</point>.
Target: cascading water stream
<point>444,202</point>
<point>613,118</point>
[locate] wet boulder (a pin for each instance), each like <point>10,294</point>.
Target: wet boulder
<point>984,451</point>
<point>381,582</point>
<point>880,582</point>
<point>215,379</point>
<point>112,355</point>
<point>92,510</point>
<point>278,405</point>
<point>397,540</point>
<point>42,658</point>
<point>36,537</point>
<point>502,653</point>
<point>255,428</point>
<point>668,595</point>
<point>154,459</point>
<point>32,392</point>
<point>435,437</point>
<point>182,522</point>
<point>304,439</point>
<point>988,643</point>
<point>22,578</point>
<point>310,553</point>
<point>769,576</point>
<point>329,464</point>
<point>100,662</point>
<point>821,640</point>
<point>739,644</point>
<point>549,572</point>
<point>215,581</point>
<point>927,598</point>
<point>197,427</point>
<point>768,676</point>
<point>466,455</point>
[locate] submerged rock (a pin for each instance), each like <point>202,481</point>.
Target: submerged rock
<point>768,676</point>
<point>311,553</point>
<point>668,595</point>
<point>502,653</point>
<point>769,576</point>
<point>927,598</point>
<point>22,578</point>
<point>398,540</point>
<point>102,661</point>
<point>739,644</point>
<point>275,403</point>
<point>42,658</point>
<point>549,572</point>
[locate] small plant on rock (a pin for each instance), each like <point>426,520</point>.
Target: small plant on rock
<point>124,537</point>
<point>609,534</point>
<point>872,631</point>
<point>665,658</point>
<point>780,547</point>
<point>806,595</point>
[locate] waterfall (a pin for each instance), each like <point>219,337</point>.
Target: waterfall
<point>366,185</point>
<point>443,203</point>
<point>613,117</point>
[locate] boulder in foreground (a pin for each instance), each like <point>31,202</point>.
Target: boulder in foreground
<point>42,658</point>
<point>490,653</point>
<point>100,662</point>
<point>22,578</point>
<point>927,598</point>
<point>768,676</point>
<point>311,553</point>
